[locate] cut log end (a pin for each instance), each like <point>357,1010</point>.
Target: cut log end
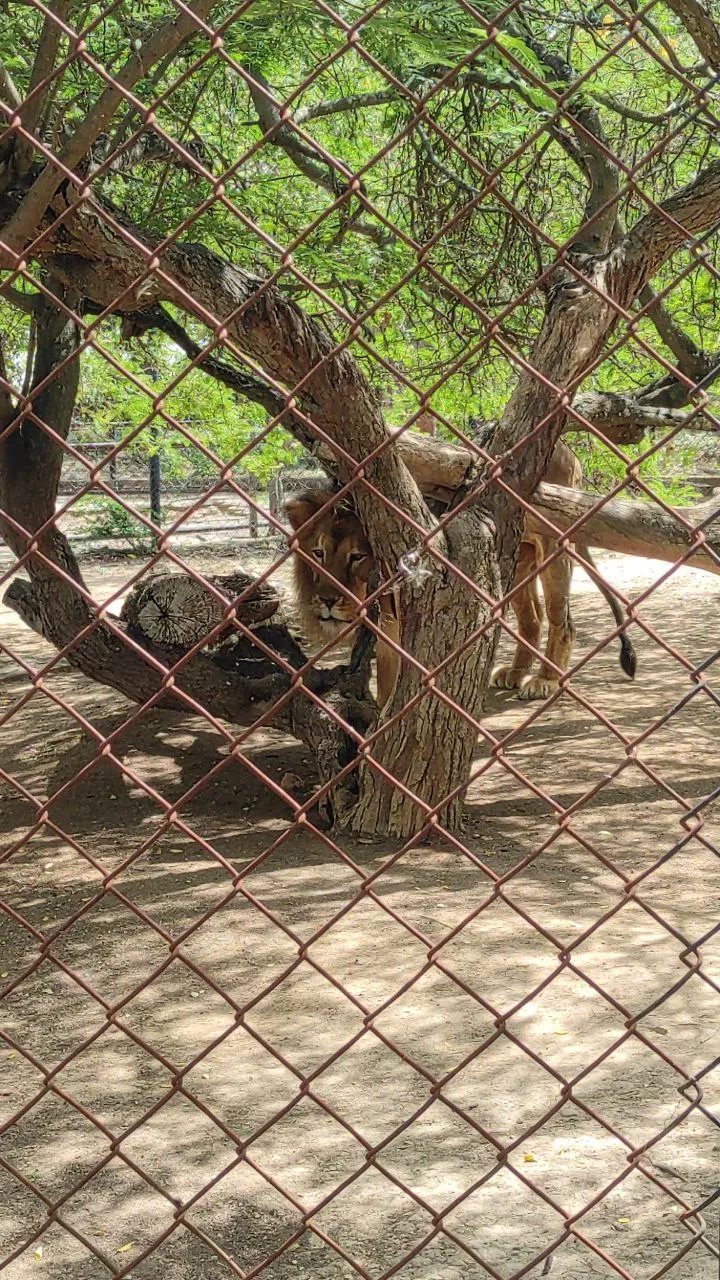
<point>176,610</point>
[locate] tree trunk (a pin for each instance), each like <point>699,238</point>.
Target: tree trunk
<point>417,767</point>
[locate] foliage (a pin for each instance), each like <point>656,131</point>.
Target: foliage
<point>489,182</point>
<point>663,473</point>
<point>107,519</point>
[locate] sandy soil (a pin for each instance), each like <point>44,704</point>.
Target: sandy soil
<point>353,1064</point>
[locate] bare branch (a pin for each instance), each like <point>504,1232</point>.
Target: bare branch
<point>8,93</point>
<point>352,102</point>
<point>305,158</point>
<point>442,168</point>
<point>689,357</point>
<point>6,404</point>
<point>243,383</point>
<point>641,117</point>
<point>170,36</point>
<point>599,221</point>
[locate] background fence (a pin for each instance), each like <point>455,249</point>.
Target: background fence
<point>294,984</point>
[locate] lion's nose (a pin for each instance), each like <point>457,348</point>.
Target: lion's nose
<point>326,609</point>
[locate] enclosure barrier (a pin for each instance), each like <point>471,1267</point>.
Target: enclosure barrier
<point>219,1055</point>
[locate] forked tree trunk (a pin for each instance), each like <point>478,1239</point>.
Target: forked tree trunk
<point>424,744</point>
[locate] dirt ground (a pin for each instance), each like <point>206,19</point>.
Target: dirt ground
<point>561,1074</point>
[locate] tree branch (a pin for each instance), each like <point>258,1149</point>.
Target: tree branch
<point>22,226</point>
<point>578,323</point>
<point>634,528</point>
<point>641,117</point>
<point>671,393</point>
<point>148,148</point>
<point>42,68</point>
<point>620,409</point>
<point>281,339</point>
<point>351,102</point>
<point>9,95</point>
<point>601,208</point>
<point>254,389</point>
<point>689,358</point>
<point>25,302</point>
<point>700,27</point>
<point>306,159</point>
<point>672,224</point>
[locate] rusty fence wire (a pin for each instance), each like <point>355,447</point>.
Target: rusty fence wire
<point>293,986</point>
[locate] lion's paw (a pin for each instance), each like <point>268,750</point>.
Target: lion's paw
<point>506,678</point>
<point>537,687</point>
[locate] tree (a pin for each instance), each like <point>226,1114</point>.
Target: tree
<point>473,218</point>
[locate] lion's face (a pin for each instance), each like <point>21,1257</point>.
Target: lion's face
<point>334,577</point>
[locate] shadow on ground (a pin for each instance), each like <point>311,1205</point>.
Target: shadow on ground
<point>246,1069</point>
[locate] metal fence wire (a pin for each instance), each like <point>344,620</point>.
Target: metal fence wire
<point>335,943</point>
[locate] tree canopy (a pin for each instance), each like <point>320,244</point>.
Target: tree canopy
<point>518,125</point>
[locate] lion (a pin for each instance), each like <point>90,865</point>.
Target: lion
<point>564,469</point>
<point>337,542</point>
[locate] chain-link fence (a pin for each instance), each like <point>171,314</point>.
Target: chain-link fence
<point>359,911</point>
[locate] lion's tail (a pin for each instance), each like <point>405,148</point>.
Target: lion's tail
<point>628,656</point>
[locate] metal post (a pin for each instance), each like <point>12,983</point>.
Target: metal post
<point>155,507</point>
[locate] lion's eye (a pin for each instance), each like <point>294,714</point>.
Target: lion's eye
<point>318,553</point>
<point>357,556</point>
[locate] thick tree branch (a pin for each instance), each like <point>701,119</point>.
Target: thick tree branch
<point>22,226</point>
<point>618,409</point>
<point>689,213</point>
<point>441,469</point>
<point>32,112</point>
<point>25,302</point>
<point>671,393</point>
<point>635,528</point>
<point>700,27</point>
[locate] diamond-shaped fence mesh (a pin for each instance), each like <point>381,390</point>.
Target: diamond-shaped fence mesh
<point>357,413</point>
